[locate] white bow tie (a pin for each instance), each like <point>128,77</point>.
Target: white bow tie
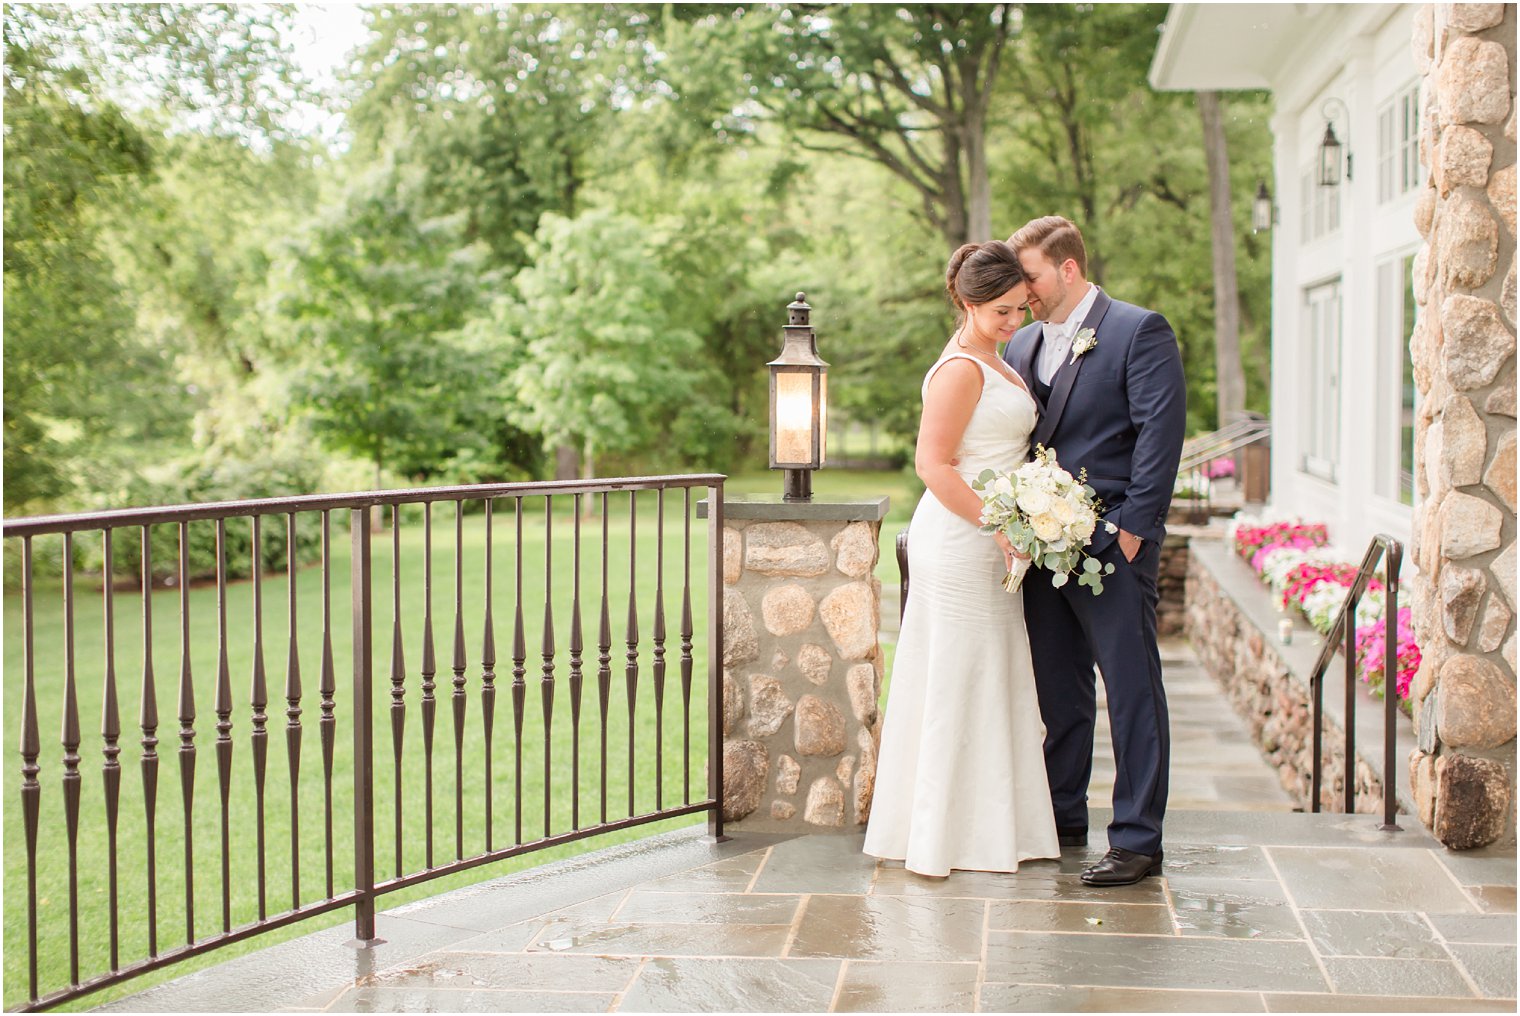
<point>1059,332</point>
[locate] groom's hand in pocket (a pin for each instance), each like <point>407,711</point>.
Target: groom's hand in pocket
<point>1129,544</point>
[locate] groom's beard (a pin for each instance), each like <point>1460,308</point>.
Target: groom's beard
<point>1044,311</point>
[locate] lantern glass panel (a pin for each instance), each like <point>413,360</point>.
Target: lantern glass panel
<point>1329,160</point>
<point>794,418</point>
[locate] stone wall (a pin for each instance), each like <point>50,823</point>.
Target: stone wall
<point>1171,581</point>
<point>1273,700</point>
<point>1463,351</point>
<point>802,672</point>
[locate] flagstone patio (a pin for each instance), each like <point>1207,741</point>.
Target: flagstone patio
<point>1259,909</point>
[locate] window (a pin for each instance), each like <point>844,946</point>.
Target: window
<point>1321,387</point>
<point>1399,144</point>
<point>1409,139</point>
<point>1393,473</point>
<point>1321,209</point>
<point>1385,153</point>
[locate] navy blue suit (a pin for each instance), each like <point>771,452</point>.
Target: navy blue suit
<point>1120,412</point>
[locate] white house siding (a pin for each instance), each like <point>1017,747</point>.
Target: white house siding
<point>1307,54</point>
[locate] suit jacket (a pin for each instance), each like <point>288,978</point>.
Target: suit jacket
<point>1119,411</point>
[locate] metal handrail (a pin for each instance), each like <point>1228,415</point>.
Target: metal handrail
<point>1218,443</point>
<point>1343,631</point>
<point>589,664</point>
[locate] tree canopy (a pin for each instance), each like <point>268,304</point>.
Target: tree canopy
<point>551,227</point>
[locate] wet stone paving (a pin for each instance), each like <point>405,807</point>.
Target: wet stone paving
<point>1259,909</point>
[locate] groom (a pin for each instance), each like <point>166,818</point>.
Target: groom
<point>1113,401</point>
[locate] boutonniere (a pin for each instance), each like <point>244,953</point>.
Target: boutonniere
<point>1085,339</point>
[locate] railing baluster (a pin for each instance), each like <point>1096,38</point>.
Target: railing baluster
<point>293,712</point>
<point>398,681</point>
<point>31,747</point>
<point>519,658</point>
<point>221,704</point>
<point>70,739</point>
<point>361,582</point>
<point>148,720</point>
<point>604,654</point>
<point>1393,562</point>
<point>258,699</point>
<point>1317,740</point>
<point>715,658</point>
<point>186,709</point>
<point>577,646</point>
<point>429,669</point>
<point>659,651</point>
<point>327,687</point>
<point>546,683</point>
<point>631,639</point>
<point>461,661</point>
<point>110,733</point>
<point>686,648</point>
<point>1350,724</point>
<point>488,681</point>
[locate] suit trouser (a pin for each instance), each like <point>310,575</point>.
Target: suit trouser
<point>1069,630</point>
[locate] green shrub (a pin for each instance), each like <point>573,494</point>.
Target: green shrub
<point>207,477</point>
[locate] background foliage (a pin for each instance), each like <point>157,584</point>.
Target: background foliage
<point>550,230</point>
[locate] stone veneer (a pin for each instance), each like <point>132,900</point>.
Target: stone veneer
<point>802,665</point>
<point>1463,351</point>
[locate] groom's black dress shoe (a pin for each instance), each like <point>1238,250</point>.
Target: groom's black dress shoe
<point>1068,837</point>
<point>1122,867</point>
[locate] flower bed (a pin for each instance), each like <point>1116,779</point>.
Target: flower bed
<point>1297,560</point>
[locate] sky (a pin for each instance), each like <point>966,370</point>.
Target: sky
<point>325,33</point>
<point>324,36</point>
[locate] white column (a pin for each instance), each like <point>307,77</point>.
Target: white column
<point>1286,348</point>
<point>1358,303</point>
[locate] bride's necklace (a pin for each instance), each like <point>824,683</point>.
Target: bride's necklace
<point>989,357</point>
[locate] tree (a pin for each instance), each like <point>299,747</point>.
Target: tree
<point>605,365</point>
<point>375,294</point>
<point>907,87</point>
<point>90,92</point>
<point>1230,379</point>
<point>66,318</point>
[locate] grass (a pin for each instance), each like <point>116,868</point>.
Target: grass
<point>293,836</point>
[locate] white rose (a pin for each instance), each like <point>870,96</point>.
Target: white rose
<point>1003,485</point>
<point>1034,501</point>
<point>1046,527</point>
<point>1063,511</point>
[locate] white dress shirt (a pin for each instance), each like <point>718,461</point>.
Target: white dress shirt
<point>1058,337</point>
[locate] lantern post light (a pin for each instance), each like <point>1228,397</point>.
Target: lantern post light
<point>798,404</point>
<point>1330,146</point>
<point>1263,215</point>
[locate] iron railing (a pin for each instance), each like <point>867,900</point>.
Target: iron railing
<point>1342,635</point>
<point>1248,435</point>
<point>136,929</point>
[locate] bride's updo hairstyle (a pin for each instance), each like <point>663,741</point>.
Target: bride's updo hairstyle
<point>979,272</point>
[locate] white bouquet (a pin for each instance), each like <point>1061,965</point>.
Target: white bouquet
<point>1047,514</point>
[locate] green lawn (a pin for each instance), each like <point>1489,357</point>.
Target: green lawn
<point>470,793</point>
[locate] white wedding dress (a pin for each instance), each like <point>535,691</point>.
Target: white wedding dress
<point>960,778</point>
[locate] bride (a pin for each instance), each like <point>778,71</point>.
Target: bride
<point>960,780</point>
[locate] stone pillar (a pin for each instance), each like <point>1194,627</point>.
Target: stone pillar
<point>802,665</point>
<point>1463,350</point>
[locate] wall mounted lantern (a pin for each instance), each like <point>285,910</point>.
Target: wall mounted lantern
<point>799,404</point>
<point>1330,146</point>
<point>1263,215</point>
